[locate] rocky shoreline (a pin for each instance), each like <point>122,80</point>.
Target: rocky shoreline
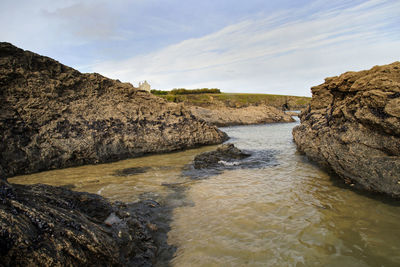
<point>53,116</point>
<point>353,127</point>
<point>42,225</point>
<point>226,116</point>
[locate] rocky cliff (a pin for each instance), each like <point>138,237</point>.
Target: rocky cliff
<point>52,116</point>
<point>353,127</point>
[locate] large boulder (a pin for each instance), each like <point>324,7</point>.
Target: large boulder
<point>52,116</point>
<point>225,153</point>
<point>353,127</point>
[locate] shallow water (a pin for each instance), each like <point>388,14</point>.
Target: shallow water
<point>273,209</point>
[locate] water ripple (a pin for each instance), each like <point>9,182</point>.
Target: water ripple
<point>272,209</point>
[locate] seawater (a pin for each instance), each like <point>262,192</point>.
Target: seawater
<point>273,209</point>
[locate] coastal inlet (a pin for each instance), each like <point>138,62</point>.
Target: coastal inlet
<point>280,210</point>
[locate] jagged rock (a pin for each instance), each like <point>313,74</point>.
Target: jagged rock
<point>353,127</point>
<point>225,152</point>
<point>52,116</point>
<point>43,225</point>
<point>226,116</point>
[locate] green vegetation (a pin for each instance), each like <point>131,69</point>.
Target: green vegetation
<point>203,99</point>
<point>183,91</point>
<point>159,92</point>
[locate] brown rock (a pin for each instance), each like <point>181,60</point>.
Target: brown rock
<point>393,107</point>
<point>52,116</point>
<point>43,225</point>
<point>225,152</point>
<point>225,116</point>
<point>353,127</point>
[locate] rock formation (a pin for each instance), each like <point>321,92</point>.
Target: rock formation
<point>43,225</point>
<point>225,116</point>
<point>225,152</point>
<point>353,127</point>
<point>52,116</point>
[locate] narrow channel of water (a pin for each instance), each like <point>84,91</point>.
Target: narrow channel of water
<point>274,209</point>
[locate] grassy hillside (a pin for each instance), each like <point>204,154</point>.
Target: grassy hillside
<point>239,100</point>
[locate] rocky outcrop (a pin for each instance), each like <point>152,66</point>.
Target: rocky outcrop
<point>225,116</point>
<point>42,225</point>
<point>52,116</point>
<point>225,153</point>
<point>353,127</point>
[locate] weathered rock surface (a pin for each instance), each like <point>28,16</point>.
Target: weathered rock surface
<point>225,152</point>
<point>52,116</point>
<point>353,127</point>
<point>292,113</point>
<point>42,225</point>
<point>225,116</point>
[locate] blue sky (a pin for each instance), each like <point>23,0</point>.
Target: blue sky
<point>257,46</point>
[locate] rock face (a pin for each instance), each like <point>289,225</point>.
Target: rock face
<point>225,116</point>
<point>353,127</point>
<point>225,152</point>
<point>42,225</point>
<point>52,116</point>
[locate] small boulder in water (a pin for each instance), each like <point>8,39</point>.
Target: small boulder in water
<point>224,153</point>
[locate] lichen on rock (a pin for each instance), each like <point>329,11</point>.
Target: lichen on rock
<point>353,127</point>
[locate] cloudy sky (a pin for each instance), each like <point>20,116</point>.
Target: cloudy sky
<point>256,46</point>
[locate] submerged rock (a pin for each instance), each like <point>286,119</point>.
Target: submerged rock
<point>131,171</point>
<point>43,225</point>
<point>224,153</point>
<point>52,116</point>
<point>353,127</point>
<point>226,158</point>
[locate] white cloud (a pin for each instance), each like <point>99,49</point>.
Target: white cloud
<point>286,53</point>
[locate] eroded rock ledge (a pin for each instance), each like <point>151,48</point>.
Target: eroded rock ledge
<point>353,127</point>
<point>52,116</point>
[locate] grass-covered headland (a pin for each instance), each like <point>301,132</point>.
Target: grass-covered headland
<point>214,97</point>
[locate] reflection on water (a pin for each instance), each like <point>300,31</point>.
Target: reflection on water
<point>288,213</point>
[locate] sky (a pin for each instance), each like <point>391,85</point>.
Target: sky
<point>253,46</point>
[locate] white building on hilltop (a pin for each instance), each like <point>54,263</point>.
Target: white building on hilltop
<point>145,86</point>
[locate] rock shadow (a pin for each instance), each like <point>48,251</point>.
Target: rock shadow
<point>159,215</point>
